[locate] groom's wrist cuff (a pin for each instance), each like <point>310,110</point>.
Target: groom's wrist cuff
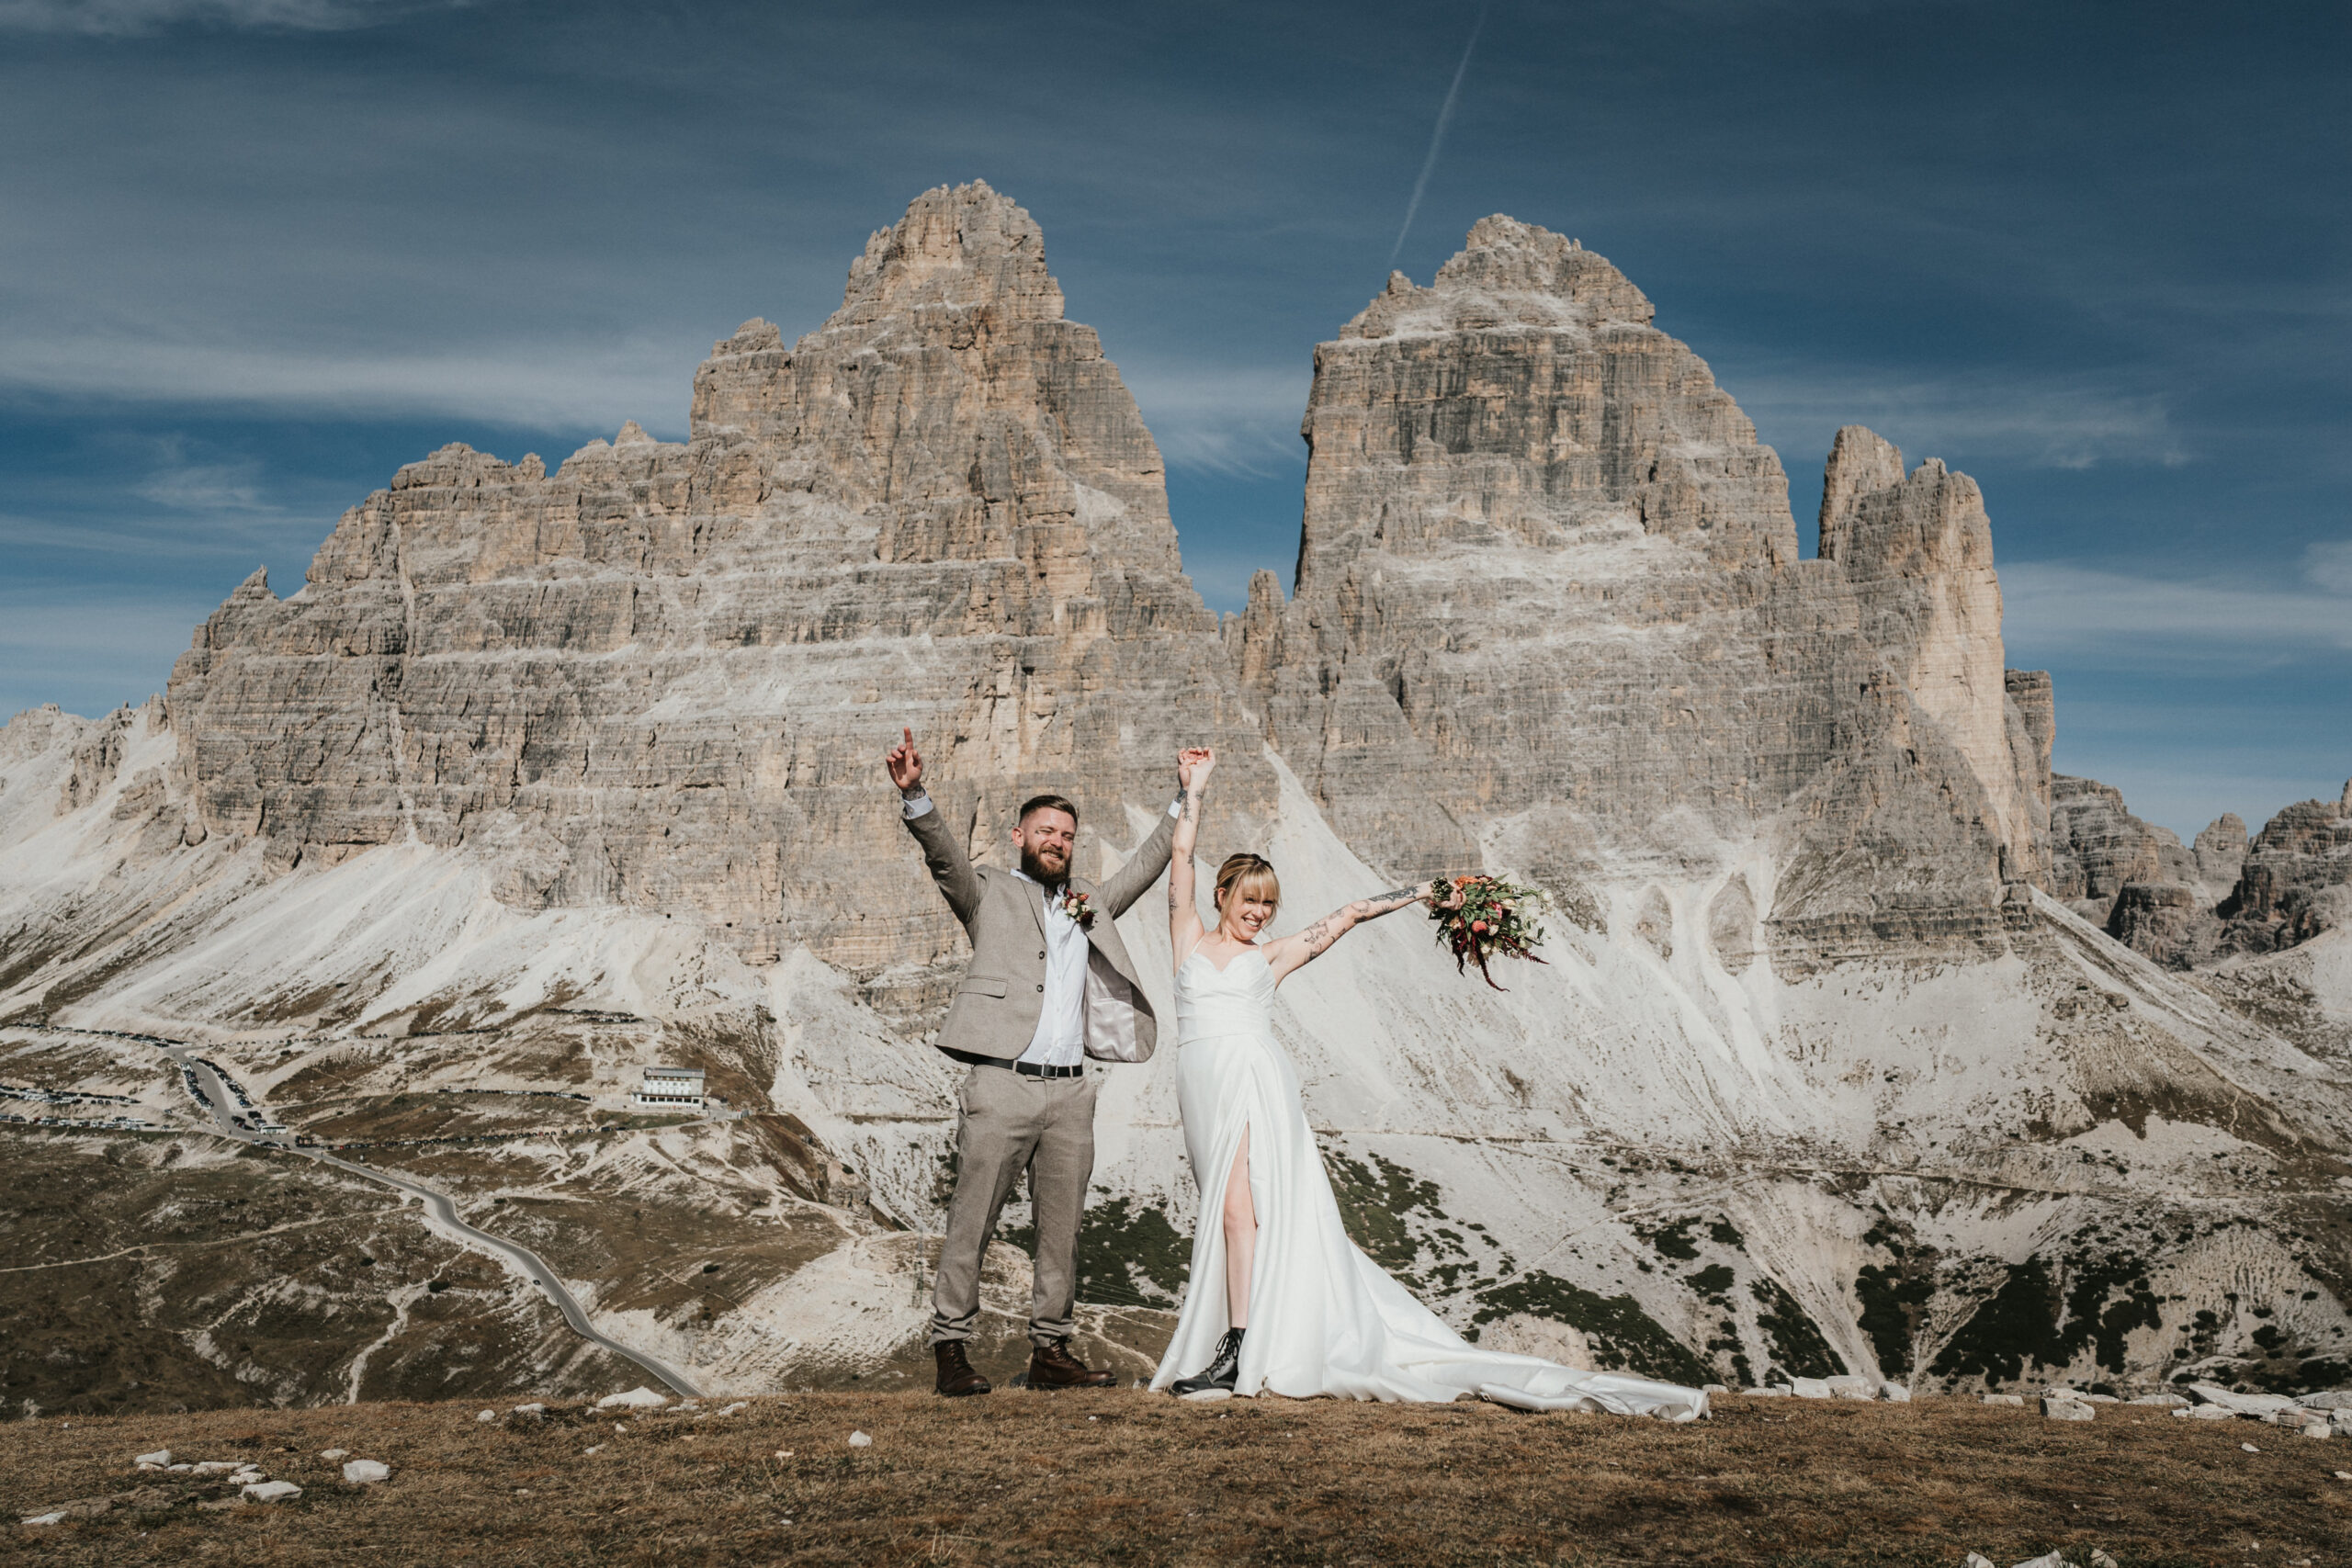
<point>915,806</point>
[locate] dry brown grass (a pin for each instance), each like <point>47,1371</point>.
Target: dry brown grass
<point>1126,1477</point>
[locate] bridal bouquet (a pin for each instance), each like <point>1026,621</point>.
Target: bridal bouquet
<point>1488,918</point>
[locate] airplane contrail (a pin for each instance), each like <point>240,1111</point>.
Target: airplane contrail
<point>1437,138</point>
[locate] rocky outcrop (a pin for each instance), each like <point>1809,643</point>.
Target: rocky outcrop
<point>2097,846</point>
<point>2296,879</point>
<point>2220,854</point>
<point>1549,606</point>
<point>663,676</point>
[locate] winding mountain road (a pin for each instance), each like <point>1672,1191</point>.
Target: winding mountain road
<point>442,1207</point>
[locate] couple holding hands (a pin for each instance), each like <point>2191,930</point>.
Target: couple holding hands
<point>1279,1300</point>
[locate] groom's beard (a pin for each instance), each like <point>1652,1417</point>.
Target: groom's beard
<point>1035,868</point>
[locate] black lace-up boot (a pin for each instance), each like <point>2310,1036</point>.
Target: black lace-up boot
<point>1224,1372</point>
<point>957,1378</point>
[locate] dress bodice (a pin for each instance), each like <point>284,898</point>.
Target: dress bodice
<point>1237,1000</point>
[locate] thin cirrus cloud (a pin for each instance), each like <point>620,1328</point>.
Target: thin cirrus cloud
<point>1237,421</point>
<point>2048,422</point>
<point>2100,618</point>
<point>537,385</point>
<point>2329,565</point>
<point>132,18</point>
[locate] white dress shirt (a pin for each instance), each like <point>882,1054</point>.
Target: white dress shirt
<point>1060,1040</point>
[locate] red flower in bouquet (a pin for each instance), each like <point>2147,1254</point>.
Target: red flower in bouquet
<point>1484,920</point>
<point>1078,907</point>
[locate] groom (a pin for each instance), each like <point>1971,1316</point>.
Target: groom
<point>1050,985</point>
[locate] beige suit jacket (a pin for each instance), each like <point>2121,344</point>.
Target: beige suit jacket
<point>1003,991</point>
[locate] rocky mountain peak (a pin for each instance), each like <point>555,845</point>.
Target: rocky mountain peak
<point>1507,273</point>
<point>1876,525</point>
<point>1862,462</point>
<point>962,249</point>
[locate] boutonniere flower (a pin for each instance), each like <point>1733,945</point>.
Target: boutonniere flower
<point>1078,907</point>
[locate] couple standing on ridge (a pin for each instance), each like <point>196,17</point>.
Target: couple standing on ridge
<point>1302,1311</point>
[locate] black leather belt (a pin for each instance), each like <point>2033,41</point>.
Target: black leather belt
<point>1031,1068</point>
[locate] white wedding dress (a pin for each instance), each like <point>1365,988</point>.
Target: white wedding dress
<point>1324,1319</point>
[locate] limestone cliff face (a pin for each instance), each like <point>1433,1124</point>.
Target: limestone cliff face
<point>1918,553</point>
<point>663,675</point>
<point>1549,606</point>
<point>2296,877</point>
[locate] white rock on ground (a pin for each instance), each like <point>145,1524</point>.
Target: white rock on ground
<point>2249,1447</point>
<point>271,1491</point>
<point>1851,1387</point>
<point>2016,1399</point>
<point>2066,1407</point>
<point>2331,1399</point>
<point>333,1453</point>
<point>1714,1388</point>
<point>214,1467</point>
<point>1977,1560</point>
<point>159,1459</point>
<point>362,1470</point>
<point>2047,1559</point>
<point>55,1518</point>
<point>2242,1403</point>
<point>596,1450</point>
<point>487,1415</point>
<point>860,1440</point>
<point>2099,1558</point>
<point>638,1398</point>
<point>2099,1399</point>
<point>2165,1401</point>
<point>2210,1413</point>
<point>1773,1393</point>
<point>533,1409</point>
<point>2318,1430</point>
<point>1810,1388</point>
<point>1894,1393</point>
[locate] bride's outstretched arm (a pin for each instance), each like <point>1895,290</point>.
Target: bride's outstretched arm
<point>1193,766</point>
<point>1304,947</point>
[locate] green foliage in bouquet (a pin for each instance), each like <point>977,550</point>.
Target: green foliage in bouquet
<point>1487,918</point>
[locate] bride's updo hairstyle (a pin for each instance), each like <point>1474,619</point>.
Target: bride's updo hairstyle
<point>1253,875</point>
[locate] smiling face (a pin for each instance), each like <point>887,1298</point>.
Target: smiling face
<point>1245,909</point>
<point>1045,838</point>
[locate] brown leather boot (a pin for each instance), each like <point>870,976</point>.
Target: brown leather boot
<point>956,1377</point>
<point>1052,1366</point>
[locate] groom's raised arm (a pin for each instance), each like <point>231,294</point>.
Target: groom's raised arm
<point>944,858</point>
<point>949,866</point>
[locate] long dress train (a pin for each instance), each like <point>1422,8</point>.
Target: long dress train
<point>1324,1319</point>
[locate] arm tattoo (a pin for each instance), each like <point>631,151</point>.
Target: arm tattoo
<point>1408,895</point>
<point>1319,936</point>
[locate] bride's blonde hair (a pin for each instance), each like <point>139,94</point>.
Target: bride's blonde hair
<point>1253,875</point>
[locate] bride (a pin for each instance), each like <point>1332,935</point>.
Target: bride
<point>1302,1311</point>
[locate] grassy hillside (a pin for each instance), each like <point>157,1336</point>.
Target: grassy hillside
<point>1128,1477</point>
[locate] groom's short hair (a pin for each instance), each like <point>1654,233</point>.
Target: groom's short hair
<point>1036,803</point>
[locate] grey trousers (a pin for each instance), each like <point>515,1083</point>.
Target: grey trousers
<point>1013,1122</point>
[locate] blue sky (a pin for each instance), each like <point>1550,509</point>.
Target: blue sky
<point>257,254</point>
